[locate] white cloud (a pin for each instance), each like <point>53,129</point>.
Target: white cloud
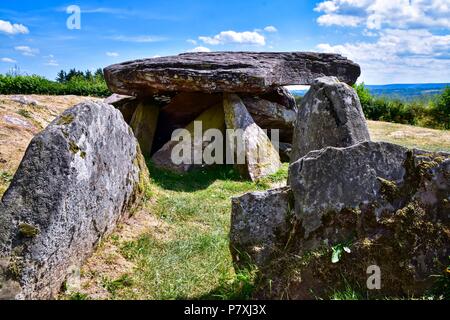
<point>270,29</point>
<point>340,20</point>
<point>200,49</point>
<point>376,14</point>
<point>112,54</point>
<point>227,37</point>
<point>399,56</point>
<point>10,28</point>
<point>192,41</point>
<point>52,63</point>
<point>137,39</point>
<point>8,60</point>
<point>27,51</point>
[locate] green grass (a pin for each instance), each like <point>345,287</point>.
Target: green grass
<point>193,260</point>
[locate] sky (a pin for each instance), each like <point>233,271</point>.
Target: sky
<point>394,41</point>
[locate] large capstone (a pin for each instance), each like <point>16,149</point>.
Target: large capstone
<point>78,178</point>
<point>330,115</point>
<point>226,72</point>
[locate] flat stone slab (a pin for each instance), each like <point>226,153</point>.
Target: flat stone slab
<point>229,72</point>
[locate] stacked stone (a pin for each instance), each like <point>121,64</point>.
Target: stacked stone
<point>223,90</point>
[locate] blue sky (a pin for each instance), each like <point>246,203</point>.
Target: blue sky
<point>395,41</point>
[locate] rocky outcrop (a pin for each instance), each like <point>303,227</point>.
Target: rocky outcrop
<point>255,156</point>
<point>78,178</point>
<point>330,115</point>
<point>226,72</point>
<point>372,205</point>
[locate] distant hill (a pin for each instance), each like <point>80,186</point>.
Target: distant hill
<point>400,91</point>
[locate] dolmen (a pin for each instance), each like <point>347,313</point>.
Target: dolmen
<point>235,101</point>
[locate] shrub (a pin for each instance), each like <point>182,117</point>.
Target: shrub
<point>79,84</point>
<point>416,112</point>
<point>441,109</point>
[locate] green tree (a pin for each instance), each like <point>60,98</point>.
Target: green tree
<point>441,109</point>
<point>61,77</point>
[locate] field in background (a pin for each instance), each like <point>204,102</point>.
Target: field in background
<point>177,246</point>
<point>410,136</point>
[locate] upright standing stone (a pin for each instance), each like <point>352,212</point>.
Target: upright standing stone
<point>143,123</point>
<point>78,178</point>
<point>258,154</point>
<point>330,115</point>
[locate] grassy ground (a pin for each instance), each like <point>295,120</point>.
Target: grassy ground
<point>410,136</point>
<point>188,258</point>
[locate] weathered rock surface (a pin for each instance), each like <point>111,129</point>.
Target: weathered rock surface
<point>213,118</point>
<point>228,72</point>
<point>285,150</point>
<point>78,178</point>
<point>272,116</point>
<point>388,205</point>
<point>282,96</point>
<point>260,223</point>
<point>257,153</point>
<point>330,115</point>
<point>118,99</point>
<point>143,123</point>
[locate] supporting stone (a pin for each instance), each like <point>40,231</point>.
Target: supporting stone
<point>143,123</point>
<point>252,147</point>
<point>272,116</point>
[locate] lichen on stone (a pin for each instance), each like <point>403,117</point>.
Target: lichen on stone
<point>65,119</point>
<point>28,230</point>
<point>73,147</point>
